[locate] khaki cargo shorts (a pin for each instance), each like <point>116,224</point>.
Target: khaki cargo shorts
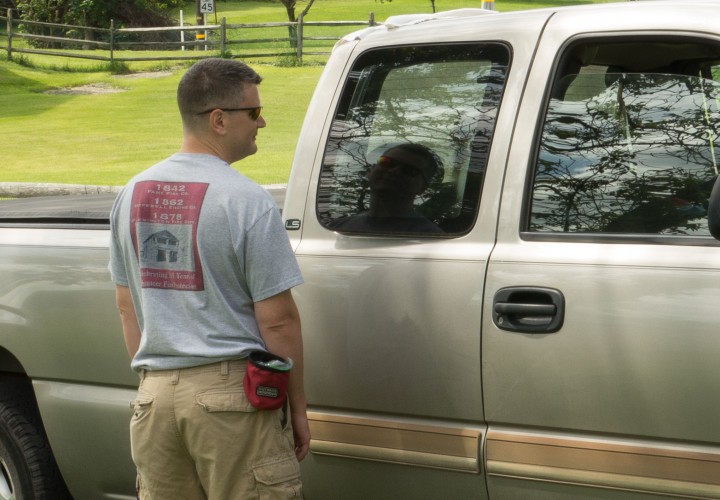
<point>194,435</point>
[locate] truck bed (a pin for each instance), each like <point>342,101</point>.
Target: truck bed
<point>74,210</point>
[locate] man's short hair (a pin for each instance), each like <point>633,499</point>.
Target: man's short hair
<point>213,83</point>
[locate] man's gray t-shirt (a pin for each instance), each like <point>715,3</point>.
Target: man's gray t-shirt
<point>198,244</point>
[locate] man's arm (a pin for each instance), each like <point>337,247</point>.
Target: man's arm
<point>131,330</point>
<point>279,323</point>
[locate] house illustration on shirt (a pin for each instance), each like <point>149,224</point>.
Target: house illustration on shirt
<point>161,247</point>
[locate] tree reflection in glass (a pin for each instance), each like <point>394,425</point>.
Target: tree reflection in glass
<point>639,156</point>
<point>442,97</point>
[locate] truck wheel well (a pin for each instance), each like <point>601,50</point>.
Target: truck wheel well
<point>27,466</point>
<point>9,363</point>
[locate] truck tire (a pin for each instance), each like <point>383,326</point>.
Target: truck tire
<point>27,467</point>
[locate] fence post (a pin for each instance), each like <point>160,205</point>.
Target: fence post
<point>206,33</point>
<point>222,37</point>
<point>9,33</point>
<point>371,21</point>
<point>112,40</point>
<point>182,33</point>
<point>300,37</point>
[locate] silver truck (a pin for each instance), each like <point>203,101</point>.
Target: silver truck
<point>540,322</point>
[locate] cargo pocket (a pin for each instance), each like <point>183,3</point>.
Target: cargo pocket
<point>218,401</point>
<point>279,479</point>
<point>142,405</point>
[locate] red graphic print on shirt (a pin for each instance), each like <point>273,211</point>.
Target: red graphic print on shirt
<point>164,217</point>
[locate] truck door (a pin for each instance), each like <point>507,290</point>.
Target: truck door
<point>392,300</point>
<point>600,327</point>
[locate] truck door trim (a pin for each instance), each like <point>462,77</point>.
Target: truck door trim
<point>442,446</point>
<point>688,471</point>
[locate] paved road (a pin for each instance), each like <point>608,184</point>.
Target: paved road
<point>61,202</point>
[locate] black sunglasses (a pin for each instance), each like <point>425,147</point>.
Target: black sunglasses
<point>405,168</point>
<point>254,112</point>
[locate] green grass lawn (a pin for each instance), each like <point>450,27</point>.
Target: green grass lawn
<point>105,138</point>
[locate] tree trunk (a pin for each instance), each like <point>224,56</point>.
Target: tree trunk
<point>292,30</point>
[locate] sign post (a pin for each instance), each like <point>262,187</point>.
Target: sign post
<point>206,7</point>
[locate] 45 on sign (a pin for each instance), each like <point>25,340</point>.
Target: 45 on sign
<point>207,6</point>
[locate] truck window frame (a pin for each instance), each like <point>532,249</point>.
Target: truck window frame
<point>364,86</point>
<point>562,61</point>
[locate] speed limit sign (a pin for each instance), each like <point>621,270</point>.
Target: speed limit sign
<point>207,6</point>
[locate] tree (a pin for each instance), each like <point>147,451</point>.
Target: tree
<point>6,4</point>
<point>290,8</point>
<point>98,13</point>
<point>94,13</point>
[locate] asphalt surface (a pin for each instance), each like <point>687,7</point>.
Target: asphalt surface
<point>91,206</point>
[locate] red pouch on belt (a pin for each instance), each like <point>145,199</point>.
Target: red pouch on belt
<point>266,380</point>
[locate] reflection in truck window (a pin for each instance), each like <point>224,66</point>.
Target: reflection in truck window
<point>399,175</point>
<point>630,141</point>
<point>437,102</point>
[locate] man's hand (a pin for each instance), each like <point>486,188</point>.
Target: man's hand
<point>301,433</point>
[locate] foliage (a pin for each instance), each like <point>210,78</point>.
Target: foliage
<point>118,68</point>
<point>98,13</point>
<point>6,4</point>
<point>290,8</point>
<point>289,61</point>
<point>93,14</point>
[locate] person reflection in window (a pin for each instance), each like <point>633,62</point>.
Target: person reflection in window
<point>399,175</point>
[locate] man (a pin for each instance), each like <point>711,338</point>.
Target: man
<point>203,272</point>
<point>400,174</point>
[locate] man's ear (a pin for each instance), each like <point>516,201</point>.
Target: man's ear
<point>217,122</point>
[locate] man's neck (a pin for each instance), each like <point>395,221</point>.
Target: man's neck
<point>193,146</point>
<point>381,207</point>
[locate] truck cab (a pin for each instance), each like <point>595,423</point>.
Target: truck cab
<point>505,224</point>
<point>556,337</point>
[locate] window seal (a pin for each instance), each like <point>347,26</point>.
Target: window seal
<point>620,239</point>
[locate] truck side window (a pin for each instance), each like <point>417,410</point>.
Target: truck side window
<point>410,140</point>
<point>630,143</point>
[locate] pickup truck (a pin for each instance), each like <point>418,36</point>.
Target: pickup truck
<point>541,321</point>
